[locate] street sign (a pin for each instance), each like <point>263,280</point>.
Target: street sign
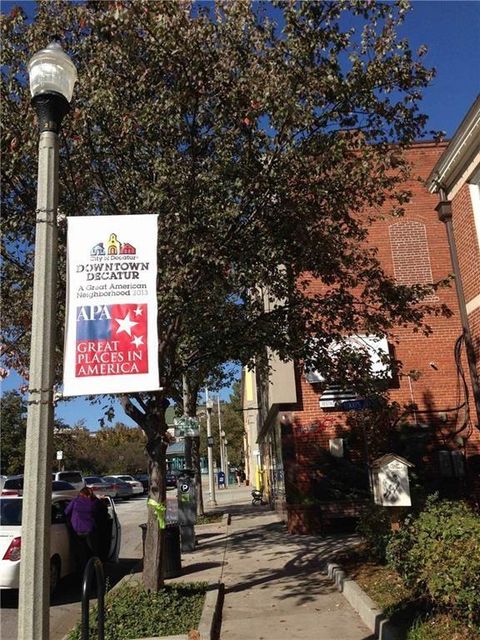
<point>210,441</point>
<point>186,427</point>
<point>353,405</point>
<point>59,455</point>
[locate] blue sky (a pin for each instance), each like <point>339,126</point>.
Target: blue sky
<point>450,29</point>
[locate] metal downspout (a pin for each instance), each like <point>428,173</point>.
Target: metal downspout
<point>444,210</point>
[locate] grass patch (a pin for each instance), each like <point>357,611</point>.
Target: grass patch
<point>132,612</point>
<point>413,617</point>
<point>210,518</point>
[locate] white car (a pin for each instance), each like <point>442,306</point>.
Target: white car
<point>62,558</point>
<point>137,487</point>
<point>73,477</point>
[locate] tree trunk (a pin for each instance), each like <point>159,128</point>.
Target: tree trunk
<point>153,556</point>
<point>151,419</point>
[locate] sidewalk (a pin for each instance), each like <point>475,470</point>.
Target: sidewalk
<point>275,585</point>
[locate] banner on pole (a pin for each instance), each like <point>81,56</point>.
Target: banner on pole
<point>111,342</point>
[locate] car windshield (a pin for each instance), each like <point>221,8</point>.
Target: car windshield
<point>91,479</point>
<point>13,483</point>
<point>59,485</point>
<point>125,478</point>
<point>10,512</point>
<point>112,479</point>
<point>70,477</point>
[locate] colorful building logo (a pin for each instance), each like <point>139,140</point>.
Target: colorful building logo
<point>113,248</point>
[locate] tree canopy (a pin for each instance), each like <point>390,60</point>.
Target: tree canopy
<point>259,144</point>
<point>265,135</point>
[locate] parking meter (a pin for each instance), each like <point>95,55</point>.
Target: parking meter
<point>187,508</point>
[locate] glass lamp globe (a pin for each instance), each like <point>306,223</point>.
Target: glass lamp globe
<point>51,70</point>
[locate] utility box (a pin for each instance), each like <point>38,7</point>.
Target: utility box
<point>389,479</point>
<point>187,508</point>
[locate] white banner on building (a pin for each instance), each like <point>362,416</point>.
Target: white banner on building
<point>111,343</point>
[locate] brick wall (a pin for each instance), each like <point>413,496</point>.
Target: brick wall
<point>413,248</point>
<point>467,243</point>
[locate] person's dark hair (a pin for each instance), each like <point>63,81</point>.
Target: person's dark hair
<point>87,492</point>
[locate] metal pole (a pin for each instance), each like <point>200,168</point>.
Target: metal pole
<point>33,614</point>
<point>444,210</point>
<point>226,460</point>
<point>211,481</point>
<point>220,438</point>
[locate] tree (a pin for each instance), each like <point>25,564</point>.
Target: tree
<point>14,425</point>
<point>14,429</point>
<point>261,145</point>
<point>232,424</point>
<point>116,449</point>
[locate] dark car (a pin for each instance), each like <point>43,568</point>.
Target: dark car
<point>123,489</point>
<point>171,478</point>
<point>144,479</point>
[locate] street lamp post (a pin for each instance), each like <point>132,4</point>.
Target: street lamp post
<point>226,456</point>
<point>220,439</point>
<point>222,444</point>
<point>52,77</point>
<point>211,481</point>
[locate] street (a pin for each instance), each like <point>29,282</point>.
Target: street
<point>65,610</point>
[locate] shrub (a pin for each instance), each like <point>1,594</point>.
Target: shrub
<point>132,612</point>
<point>442,627</point>
<point>374,526</point>
<point>438,555</point>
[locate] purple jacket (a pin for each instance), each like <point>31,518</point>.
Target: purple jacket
<point>82,514</point>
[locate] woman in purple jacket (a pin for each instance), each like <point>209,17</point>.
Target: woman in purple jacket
<point>84,512</point>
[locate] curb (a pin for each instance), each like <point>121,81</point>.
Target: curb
<point>368,610</point>
<point>211,613</point>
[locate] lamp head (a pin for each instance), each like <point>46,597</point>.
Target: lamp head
<point>51,71</point>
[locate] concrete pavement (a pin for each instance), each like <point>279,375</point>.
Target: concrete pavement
<point>275,585</point>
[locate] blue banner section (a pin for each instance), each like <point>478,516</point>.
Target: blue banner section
<point>93,329</point>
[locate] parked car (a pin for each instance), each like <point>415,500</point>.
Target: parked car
<point>137,486</point>
<point>13,486</point>
<point>144,479</point>
<point>123,489</point>
<point>171,478</point>
<point>73,477</point>
<point>62,558</point>
<point>59,487</point>
<point>100,487</point>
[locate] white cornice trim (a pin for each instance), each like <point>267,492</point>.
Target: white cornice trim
<point>461,151</point>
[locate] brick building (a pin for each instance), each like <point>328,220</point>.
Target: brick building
<point>301,445</point>
<point>456,178</point>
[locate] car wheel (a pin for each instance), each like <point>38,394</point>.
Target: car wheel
<point>54,575</point>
